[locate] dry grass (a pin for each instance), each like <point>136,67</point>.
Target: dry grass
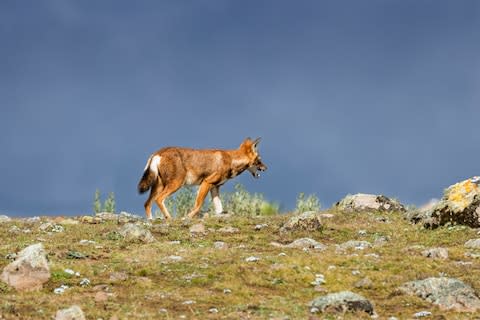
<point>276,286</point>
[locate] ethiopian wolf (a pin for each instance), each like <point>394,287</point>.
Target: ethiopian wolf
<point>170,168</point>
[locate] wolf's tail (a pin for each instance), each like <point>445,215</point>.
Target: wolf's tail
<point>150,174</point>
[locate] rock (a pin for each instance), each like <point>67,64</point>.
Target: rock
<point>220,245</point>
<point>364,283</point>
<point>91,220</point>
<point>354,244</point>
<point>473,244</point>
<point>302,243</point>
<point>4,218</point>
<point>85,282</point>
<point>107,216</point>
<point>75,255</point>
<point>342,302</point>
<point>228,229</point>
<point>436,253</point>
<point>307,221</point>
<point>422,314</point>
<point>447,293</point>
<point>50,227</point>
<point>368,202</point>
<point>197,229</point>
<point>252,259</point>
<point>118,276</point>
<point>30,271</point>
<point>319,280</point>
<point>72,313</point>
<point>259,227</point>
<point>460,204</point>
<point>133,232</point>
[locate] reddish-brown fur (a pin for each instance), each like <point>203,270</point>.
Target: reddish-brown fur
<point>207,168</point>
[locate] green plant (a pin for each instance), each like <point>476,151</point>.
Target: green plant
<point>243,203</point>
<point>109,205</point>
<point>309,203</point>
<point>97,204</point>
<point>181,202</point>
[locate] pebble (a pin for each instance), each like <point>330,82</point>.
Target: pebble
<point>252,259</point>
<point>61,289</point>
<point>422,314</point>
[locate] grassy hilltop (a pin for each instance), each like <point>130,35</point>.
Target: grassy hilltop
<point>192,275</point>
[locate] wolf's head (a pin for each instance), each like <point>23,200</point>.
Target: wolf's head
<point>255,161</point>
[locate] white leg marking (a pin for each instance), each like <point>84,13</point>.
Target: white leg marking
<point>154,164</point>
<point>218,205</point>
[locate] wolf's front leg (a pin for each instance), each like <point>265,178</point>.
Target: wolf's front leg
<point>217,203</point>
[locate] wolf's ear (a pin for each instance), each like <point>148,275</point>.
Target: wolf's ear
<point>255,143</point>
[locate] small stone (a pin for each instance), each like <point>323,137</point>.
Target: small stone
<point>133,232</point>
<point>436,253</point>
<point>188,302</point>
<point>72,313</point>
<point>227,291</point>
<point>252,259</point>
<point>422,314</point>
<point>362,233</point>
<point>61,289</point>
<point>175,258</point>
<point>197,229</point>
<point>282,254</point>
<point>86,242</point>
<point>118,276</point>
<point>213,310</point>
<point>259,227</point>
<point>229,230</point>
<point>364,283</point>
<point>220,245</point>
<point>84,282</point>
<point>69,271</point>
<point>75,255</point>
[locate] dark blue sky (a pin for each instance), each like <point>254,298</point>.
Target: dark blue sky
<point>348,96</point>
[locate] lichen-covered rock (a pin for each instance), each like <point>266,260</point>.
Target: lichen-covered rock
<point>368,202</point>
<point>72,313</point>
<point>436,253</point>
<point>447,293</point>
<point>460,204</point>
<point>473,244</point>
<point>133,232</point>
<point>307,221</point>
<point>29,271</point>
<point>344,301</point>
